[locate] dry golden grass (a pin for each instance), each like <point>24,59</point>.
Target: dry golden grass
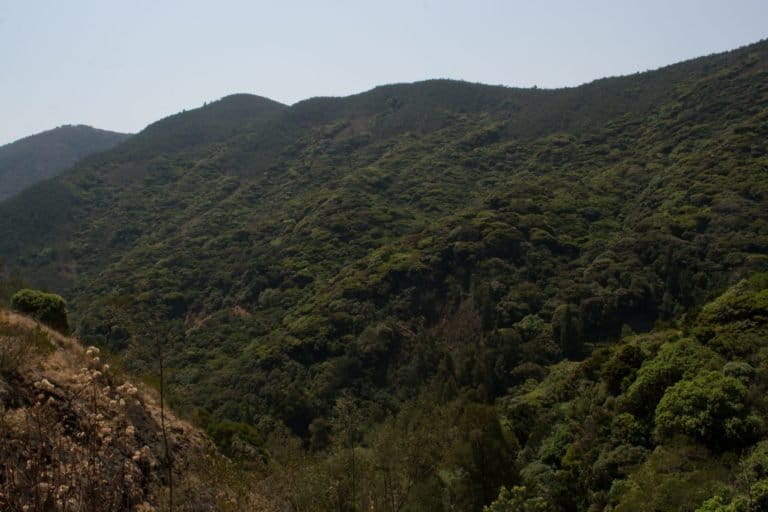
<point>77,435</point>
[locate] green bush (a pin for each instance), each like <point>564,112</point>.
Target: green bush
<point>739,369</point>
<point>621,368</point>
<point>710,408</point>
<point>48,308</point>
<point>720,504</point>
<point>674,477</point>
<point>516,500</point>
<point>674,361</point>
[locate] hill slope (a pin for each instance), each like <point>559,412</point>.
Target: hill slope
<point>432,233</point>
<point>673,419</point>
<point>44,155</point>
<point>76,434</point>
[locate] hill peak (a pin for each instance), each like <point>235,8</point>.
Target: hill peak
<point>47,154</point>
<point>212,122</point>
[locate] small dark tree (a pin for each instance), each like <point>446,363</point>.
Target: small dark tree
<point>567,331</point>
<point>49,308</point>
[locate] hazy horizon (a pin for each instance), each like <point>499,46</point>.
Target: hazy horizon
<point>121,67</point>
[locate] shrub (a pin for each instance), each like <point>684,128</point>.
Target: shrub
<point>739,369</point>
<point>710,408</point>
<point>720,504</point>
<point>621,368</point>
<point>48,308</point>
<point>674,362</point>
<point>516,500</point>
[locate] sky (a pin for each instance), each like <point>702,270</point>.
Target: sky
<point>121,65</point>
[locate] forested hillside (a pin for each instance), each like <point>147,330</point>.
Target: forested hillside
<point>436,256</point>
<point>38,157</point>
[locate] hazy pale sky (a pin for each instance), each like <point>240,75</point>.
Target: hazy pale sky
<point>121,65</point>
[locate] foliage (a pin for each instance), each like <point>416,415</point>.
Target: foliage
<point>710,408</point>
<point>515,500</point>
<point>674,361</point>
<point>49,308</point>
<point>693,440</point>
<point>673,478</point>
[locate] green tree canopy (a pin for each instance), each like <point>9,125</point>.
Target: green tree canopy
<point>49,308</point>
<point>711,408</point>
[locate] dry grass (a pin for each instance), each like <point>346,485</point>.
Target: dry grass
<point>78,436</point>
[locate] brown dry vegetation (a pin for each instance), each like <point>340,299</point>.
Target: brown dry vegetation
<point>76,435</point>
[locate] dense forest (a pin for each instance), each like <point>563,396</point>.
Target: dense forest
<point>44,155</point>
<point>442,295</point>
